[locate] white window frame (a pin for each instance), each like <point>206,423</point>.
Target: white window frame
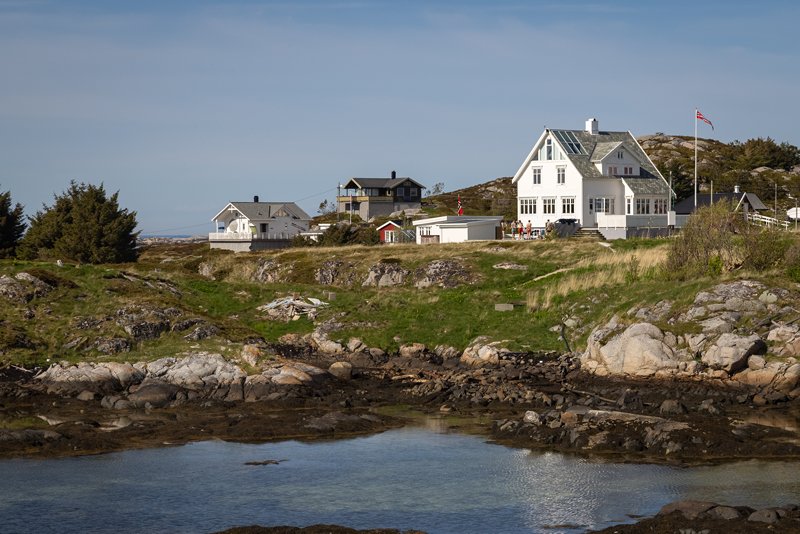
<point>561,175</point>
<point>536,175</point>
<point>527,206</point>
<point>568,205</point>
<point>549,205</point>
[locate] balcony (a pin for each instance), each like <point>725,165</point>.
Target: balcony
<point>248,236</point>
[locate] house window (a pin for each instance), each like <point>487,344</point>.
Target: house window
<point>642,206</point>
<point>424,230</point>
<point>591,205</point>
<point>549,146</point>
<point>561,173</point>
<point>627,171</point>
<point>620,155</point>
<point>660,205</point>
<point>629,205</point>
<point>549,205</point>
<point>414,192</point>
<point>612,170</point>
<point>537,175</point>
<point>604,205</point>
<point>401,191</point>
<point>568,205</point>
<point>388,236</point>
<point>527,206</point>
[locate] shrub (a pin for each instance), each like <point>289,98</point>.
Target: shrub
<point>84,225</point>
<point>707,242</point>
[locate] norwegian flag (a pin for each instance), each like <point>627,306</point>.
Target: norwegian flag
<point>460,208</point>
<point>701,117</point>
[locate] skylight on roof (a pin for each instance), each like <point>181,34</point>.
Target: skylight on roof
<point>569,142</point>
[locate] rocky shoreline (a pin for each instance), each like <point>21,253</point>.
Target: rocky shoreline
<point>725,391</point>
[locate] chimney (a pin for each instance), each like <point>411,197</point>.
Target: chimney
<point>591,126</point>
<point>394,175</point>
<point>735,188</point>
<point>255,198</point>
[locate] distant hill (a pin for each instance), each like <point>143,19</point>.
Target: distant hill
<point>495,197</point>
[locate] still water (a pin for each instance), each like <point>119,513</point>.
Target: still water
<point>409,478</point>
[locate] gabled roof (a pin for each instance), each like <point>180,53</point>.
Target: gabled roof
<point>387,223</point>
<point>259,211</point>
<point>383,183</point>
<point>596,147</point>
<point>686,206</point>
<point>604,149</point>
<point>646,186</point>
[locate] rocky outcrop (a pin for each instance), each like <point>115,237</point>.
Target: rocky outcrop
<point>730,352</point>
<point>386,274</point>
<point>787,517</point>
<point>70,380</point>
<point>442,273</point>
<point>13,291</point>
<point>639,350</point>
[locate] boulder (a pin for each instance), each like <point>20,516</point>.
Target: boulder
<point>730,352</point>
<point>767,515</point>
<point>480,353</point>
<point>689,509</point>
<point>250,354</point>
<point>341,370</point>
<point>638,351</point>
<point>70,380</point>
<point>355,345</point>
<point>532,418</point>
<point>202,370</point>
<point>153,393</point>
<point>323,344</point>
<point>412,350</point>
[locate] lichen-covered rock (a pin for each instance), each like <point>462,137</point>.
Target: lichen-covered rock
<point>443,273</point>
<point>386,274</point>
<point>13,290</point>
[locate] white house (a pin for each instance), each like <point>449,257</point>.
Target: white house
<point>603,180</point>
<point>246,226</point>
<point>457,229</point>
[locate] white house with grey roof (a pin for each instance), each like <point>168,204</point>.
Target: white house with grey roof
<point>600,180</point>
<point>247,226</point>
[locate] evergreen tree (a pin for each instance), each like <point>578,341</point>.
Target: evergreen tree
<point>84,225</point>
<point>12,225</point>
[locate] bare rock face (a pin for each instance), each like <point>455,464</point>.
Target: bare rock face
<point>196,371</point>
<point>386,275</point>
<point>639,350</point>
<point>730,352</point>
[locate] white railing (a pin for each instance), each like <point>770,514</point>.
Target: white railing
<point>605,220</point>
<point>763,220</point>
<point>247,236</point>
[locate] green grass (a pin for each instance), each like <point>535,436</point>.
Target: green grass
<point>381,317</point>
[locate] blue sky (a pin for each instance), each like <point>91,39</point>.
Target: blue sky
<point>184,106</point>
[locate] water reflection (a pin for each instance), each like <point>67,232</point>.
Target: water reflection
<point>407,478</point>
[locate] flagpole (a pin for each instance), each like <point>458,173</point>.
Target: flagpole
<point>695,159</point>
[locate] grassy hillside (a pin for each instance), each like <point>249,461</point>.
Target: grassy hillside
<point>86,309</point>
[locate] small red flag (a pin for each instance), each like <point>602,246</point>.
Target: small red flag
<point>460,208</point>
<point>702,118</point>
